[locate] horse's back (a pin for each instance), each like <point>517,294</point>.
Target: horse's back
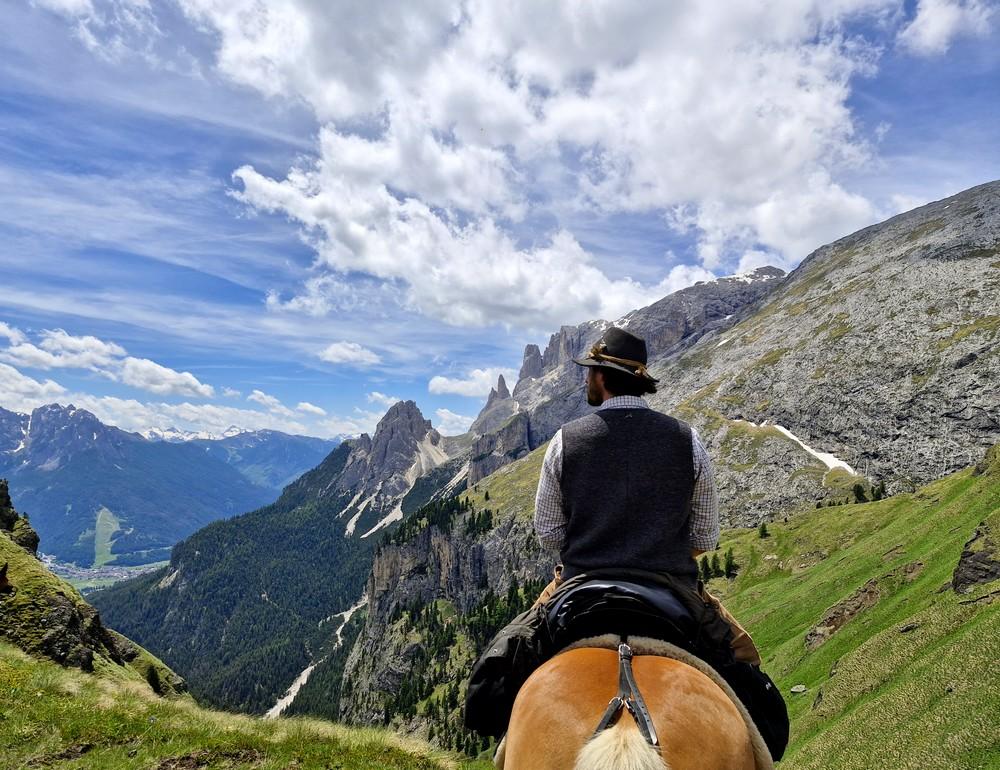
<point>560,705</point>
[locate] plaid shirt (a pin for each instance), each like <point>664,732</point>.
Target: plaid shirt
<point>550,520</point>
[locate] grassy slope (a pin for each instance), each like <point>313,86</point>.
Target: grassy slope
<point>55,717</point>
<point>106,527</point>
<point>24,616</point>
<point>924,698</point>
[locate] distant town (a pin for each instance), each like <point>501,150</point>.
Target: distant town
<point>87,579</point>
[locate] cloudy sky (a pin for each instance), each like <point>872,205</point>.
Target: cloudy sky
<point>289,213</point>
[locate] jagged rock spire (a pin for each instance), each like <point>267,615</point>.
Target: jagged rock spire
<point>531,366</point>
<point>8,516</point>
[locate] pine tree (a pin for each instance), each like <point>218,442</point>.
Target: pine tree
<point>762,530</point>
<point>706,569</point>
<point>716,569</point>
<point>730,564</point>
<point>859,493</point>
<point>486,495</point>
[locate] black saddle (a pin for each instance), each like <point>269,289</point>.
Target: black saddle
<point>622,607</point>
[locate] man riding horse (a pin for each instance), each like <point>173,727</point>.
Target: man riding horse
<point>628,486</point>
<point>627,499</point>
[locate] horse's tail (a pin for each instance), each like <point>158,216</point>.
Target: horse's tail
<point>619,748</point>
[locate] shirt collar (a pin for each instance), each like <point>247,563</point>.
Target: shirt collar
<point>624,402</point>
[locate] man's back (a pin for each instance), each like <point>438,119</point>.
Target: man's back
<point>626,482</point>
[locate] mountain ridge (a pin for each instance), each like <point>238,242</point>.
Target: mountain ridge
<point>97,492</point>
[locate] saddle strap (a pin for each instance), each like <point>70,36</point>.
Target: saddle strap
<point>630,699</point>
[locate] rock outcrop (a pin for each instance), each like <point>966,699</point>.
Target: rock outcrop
<point>532,365</point>
<point>500,407</point>
<point>979,562</point>
<point>435,565</point>
<point>17,527</point>
<point>509,442</point>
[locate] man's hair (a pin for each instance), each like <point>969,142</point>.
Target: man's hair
<point>618,383</point>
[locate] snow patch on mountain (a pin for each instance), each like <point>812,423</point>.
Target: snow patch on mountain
<point>831,461</point>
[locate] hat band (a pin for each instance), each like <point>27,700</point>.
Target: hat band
<point>598,354</point>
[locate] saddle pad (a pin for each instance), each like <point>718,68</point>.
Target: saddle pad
<point>645,646</point>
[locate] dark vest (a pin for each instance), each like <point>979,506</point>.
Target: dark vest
<point>627,479</point>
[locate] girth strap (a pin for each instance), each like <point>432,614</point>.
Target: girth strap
<point>630,699</point>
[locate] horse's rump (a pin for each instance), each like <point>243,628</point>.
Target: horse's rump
<point>699,724</point>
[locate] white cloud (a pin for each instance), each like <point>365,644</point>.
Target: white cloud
<point>20,393</point>
<point>305,406</point>
<point>271,403</point>
<point>231,393</point>
<point>754,258</point>
<point>475,384</point>
<point>150,376</point>
<point>381,398</point>
<point>436,140</point>
<point>348,353</point>
<point>110,29</point>
<point>70,8</point>
<point>451,424</point>
<point>682,276</point>
<point>133,415</point>
<point>939,22</point>
<point>14,335</point>
<point>60,350</point>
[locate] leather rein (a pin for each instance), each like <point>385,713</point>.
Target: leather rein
<point>628,699</point>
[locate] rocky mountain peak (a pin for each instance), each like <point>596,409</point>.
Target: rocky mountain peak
<point>531,365</point>
<point>55,433</point>
<point>13,427</point>
<point>379,470</point>
<point>403,419</point>
<point>499,393</point>
<point>570,342</point>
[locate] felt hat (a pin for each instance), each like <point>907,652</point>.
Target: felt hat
<point>618,349</point>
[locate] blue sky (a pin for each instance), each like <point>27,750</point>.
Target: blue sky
<point>285,216</point>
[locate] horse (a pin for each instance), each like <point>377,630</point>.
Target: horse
<point>697,724</point>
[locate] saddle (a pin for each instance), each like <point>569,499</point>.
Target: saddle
<point>625,602</point>
<point>624,607</point>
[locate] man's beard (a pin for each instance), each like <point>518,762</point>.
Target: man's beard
<point>593,395</point>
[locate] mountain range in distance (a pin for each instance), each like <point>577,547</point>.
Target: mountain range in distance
<point>100,495</point>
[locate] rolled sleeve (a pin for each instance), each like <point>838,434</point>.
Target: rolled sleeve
<point>550,521</point>
<point>704,500</point>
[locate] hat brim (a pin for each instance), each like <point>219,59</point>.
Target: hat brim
<point>610,365</point>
